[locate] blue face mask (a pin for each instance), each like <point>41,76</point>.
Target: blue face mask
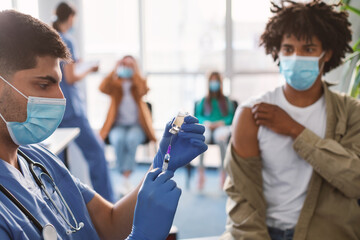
<point>43,117</point>
<point>124,72</point>
<point>214,86</point>
<point>300,72</point>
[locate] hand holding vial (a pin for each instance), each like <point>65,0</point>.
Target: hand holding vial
<point>183,139</point>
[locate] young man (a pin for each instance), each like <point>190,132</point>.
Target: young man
<point>39,199</point>
<point>293,165</point>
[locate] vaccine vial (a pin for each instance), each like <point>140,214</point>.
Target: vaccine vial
<point>179,120</point>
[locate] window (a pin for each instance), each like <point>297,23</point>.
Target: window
<point>107,41</point>
<point>110,31</point>
<point>249,20</point>
<point>184,35</point>
<point>25,6</point>
<point>250,85</point>
<point>6,4</point>
<point>28,6</point>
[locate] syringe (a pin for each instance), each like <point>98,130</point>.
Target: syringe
<point>167,157</point>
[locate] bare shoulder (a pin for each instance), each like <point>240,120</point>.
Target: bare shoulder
<point>245,130</point>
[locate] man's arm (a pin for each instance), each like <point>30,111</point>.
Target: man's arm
<point>244,139</point>
<point>336,160</point>
<point>246,205</point>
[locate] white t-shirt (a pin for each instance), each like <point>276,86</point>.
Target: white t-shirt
<point>286,176</point>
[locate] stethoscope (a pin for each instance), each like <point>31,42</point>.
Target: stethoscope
<point>48,230</point>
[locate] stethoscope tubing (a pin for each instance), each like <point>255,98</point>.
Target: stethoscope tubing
<point>31,163</point>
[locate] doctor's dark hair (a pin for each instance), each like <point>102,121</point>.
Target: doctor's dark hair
<point>305,20</point>
<point>63,12</point>
<point>23,39</point>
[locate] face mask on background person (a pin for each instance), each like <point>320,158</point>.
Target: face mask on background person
<point>300,72</point>
<point>124,72</point>
<point>214,85</point>
<point>43,117</point>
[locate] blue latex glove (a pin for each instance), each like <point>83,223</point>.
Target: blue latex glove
<point>185,146</point>
<point>155,207</point>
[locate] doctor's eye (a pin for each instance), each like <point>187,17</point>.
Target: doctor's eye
<point>43,85</point>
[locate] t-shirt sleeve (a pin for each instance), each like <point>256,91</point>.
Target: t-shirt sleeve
<point>85,190</point>
<point>267,97</point>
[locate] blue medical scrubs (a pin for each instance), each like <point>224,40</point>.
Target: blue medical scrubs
<point>13,222</point>
<point>91,145</point>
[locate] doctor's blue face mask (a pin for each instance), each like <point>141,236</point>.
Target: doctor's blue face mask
<point>300,72</point>
<point>43,117</point>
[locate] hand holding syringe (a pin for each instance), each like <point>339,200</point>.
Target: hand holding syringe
<point>184,145</point>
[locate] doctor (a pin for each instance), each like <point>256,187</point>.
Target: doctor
<point>39,199</point>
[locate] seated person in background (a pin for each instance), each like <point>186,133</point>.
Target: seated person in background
<point>293,166</point>
<point>128,122</point>
<point>216,112</point>
<point>42,200</point>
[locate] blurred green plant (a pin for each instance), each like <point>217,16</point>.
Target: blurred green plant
<point>354,58</point>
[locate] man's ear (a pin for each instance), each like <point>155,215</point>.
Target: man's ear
<point>328,55</point>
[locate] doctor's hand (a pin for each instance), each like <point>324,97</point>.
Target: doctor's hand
<point>155,208</point>
<point>185,146</point>
<point>276,119</point>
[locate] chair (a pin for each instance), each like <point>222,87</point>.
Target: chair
<point>189,166</point>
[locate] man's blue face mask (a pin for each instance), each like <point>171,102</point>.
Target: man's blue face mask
<point>300,72</point>
<point>43,117</point>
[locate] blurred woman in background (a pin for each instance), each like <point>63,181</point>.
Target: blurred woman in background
<point>128,123</point>
<point>216,112</point>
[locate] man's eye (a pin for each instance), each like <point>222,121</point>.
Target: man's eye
<point>310,50</point>
<point>287,51</point>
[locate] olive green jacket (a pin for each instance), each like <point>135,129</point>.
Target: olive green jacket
<point>330,210</point>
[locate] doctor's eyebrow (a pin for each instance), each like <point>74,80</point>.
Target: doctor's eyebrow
<point>49,78</point>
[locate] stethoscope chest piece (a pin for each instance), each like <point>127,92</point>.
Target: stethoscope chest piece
<point>49,232</point>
